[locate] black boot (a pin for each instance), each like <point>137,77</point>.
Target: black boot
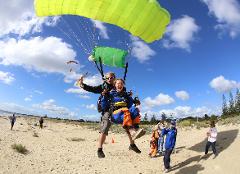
<point>134,148</point>
<point>100,153</point>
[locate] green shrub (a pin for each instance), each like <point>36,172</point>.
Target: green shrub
<point>19,148</point>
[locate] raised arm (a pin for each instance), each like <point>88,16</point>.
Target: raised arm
<point>94,89</point>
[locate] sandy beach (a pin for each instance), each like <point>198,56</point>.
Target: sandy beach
<point>53,151</point>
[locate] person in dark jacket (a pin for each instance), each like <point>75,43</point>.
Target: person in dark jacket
<point>12,120</point>
<point>119,103</point>
<point>105,124</point>
<point>106,85</point>
<point>171,134</point>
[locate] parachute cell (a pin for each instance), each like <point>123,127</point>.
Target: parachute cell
<point>143,18</point>
<point>110,56</point>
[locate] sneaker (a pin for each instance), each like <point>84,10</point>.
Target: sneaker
<point>100,153</point>
<point>215,156</point>
<point>166,170</point>
<point>134,148</point>
<point>139,134</point>
<point>204,156</point>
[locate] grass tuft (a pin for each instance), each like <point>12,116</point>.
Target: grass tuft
<point>19,148</point>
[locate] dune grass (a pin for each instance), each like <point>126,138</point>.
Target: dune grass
<point>20,148</point>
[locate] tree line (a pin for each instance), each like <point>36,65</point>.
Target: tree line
<point>232,107</point>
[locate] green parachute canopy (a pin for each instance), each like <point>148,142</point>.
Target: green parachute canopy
<point>110,56</point>
<point>143,18</point>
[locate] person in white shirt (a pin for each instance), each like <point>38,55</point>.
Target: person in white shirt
<point>212,137</point>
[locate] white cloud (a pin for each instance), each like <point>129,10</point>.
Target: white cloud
<point>13,107</point>
<point>6,77</point>
<point>102,28</point>
<point>76,91</point>
<point>183,95</point>
<point>29,98</point>
<point>220,84</point>
<point>187,111</point>
<point>140,50</point>
<point>227,13</point>
<point>38,92</point>
<point>84,96</point>
<point>18,17</point>
<point>94,80</point>
<point>91,106</point>
<point>180,33</point>
<point>59,111</point>
<point>47,55</point>
<point>161,99</point>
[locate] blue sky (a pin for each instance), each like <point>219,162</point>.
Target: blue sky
<point>184,74</point>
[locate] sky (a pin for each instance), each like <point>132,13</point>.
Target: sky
<point>183,74</point>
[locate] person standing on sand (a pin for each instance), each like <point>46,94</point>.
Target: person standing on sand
<point>161,126</point>
<point>105,124</point>
<point>212,137</point>
<point>12,120</point>
<point>41,122</point>
<point>171,135</point>
<point>154,142</point>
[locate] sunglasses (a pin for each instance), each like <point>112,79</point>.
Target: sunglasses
<point>110,78</point>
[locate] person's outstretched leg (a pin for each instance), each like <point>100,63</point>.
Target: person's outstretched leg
<point>132,144</point>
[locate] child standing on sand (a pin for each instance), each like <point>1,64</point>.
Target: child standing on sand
<point>212,137</point>
<point>154,142</point>
<point>171,135</point>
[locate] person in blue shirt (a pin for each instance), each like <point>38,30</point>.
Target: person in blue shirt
<point>170,141</point>
<point>120,105</point>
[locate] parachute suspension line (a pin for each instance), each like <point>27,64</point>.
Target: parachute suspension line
<point>99,68</point>
<point>125,72</point>
<point>69,37</point>
<point>75,36</point>
<point>91,34</point>
<point>87,35</point>
<point>94,35</point>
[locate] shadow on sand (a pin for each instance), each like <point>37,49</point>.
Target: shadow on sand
<point>224,140</point>
<point>191,169</point>
<point>195,168</point>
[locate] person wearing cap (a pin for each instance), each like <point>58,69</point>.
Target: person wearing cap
<point>212,137</point>
<point>171,134</point>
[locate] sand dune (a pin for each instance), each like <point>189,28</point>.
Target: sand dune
<point>53,151</point>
